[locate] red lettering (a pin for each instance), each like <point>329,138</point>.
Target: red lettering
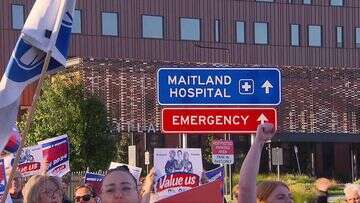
<point>177,180</point>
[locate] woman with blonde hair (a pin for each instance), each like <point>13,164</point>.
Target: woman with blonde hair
<point>267,191</point>
<point>43,189</point>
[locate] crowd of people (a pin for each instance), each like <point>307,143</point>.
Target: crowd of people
<point>120,186</point>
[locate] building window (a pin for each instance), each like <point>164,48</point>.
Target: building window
<point>152,27</point>
<point>339,37</point>
<point>109,23</point>
<point>336,2</point>
<point>307,2</point>
<point>261,33</point>
<point>295,35</point>
<point>217,30</point>
<point>357,37</point>
<point>240,32</point>
<point>17,14</point>
<point>190,29</point>
<point>77,22</point>
<point>314,35</point>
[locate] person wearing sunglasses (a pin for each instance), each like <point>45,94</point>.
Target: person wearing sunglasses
<point>85,194</point>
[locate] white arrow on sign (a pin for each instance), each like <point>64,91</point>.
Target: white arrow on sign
<point>262,118</point>
<point>267,85</point>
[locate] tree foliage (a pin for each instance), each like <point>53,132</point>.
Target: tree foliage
<point>64,109</point>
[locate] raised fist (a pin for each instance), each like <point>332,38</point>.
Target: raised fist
<point>265,132</point>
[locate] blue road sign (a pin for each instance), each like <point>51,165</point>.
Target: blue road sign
<point>219,86</point>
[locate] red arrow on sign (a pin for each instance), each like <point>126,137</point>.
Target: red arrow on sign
<point>215,120</point>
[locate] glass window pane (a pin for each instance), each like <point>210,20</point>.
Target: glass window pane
<point>307,1</point>
<point>339,36</point>
<point>109,24</point>
<point>77,22</point>
<point>190,29</point>
<point>314,35</point>
<point>217,30</point>
<point>17,12</point>
<point>295,35</point>
<point>357,37</point>
<point>152,26</point>
<point>336,2</point>
<point>240,32</point>
<point>261,33</point>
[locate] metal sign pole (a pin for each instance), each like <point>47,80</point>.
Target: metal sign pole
<point>278,163</point>
<point>184,140</point>
<point>297,158</point>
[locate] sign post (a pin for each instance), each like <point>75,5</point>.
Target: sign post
<point>223,154</point>
<point>277,159</point>
<point>147,161</point>
<point>231,86</point>
<point>132,155</point>
<point>296,150</point>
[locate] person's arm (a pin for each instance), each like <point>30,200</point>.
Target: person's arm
<point>147,187</point>
<point>250,166</point>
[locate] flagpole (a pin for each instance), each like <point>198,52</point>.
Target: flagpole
<point>29,120</point>
<point>36,96</point>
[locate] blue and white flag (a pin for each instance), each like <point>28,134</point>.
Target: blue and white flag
<point>47,28</point>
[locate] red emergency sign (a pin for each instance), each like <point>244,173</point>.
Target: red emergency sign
<point>215,120</point>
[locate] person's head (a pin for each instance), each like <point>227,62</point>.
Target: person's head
<point>273,192</point>
<point>119,186</point>
<point>17,183</point>
<point>179,154</point>
<point>186,155</point>
<point>235,191</point>
<point>172,154</point>
<point>84,194</point>
<point>43,189</point>
<point>352,193</point>
<point>65,182</point>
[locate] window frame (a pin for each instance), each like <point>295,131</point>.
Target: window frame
<point>217,28</point>
<point>236,39</point>
<point>310,3</point>
<point>191,40</point>
<point>162,24</point>
<point>12,19</point>
<point>299,35</point>
<point>342,37</point>
<point>342,3</point>
<point>357,45</point>
<point>117,24</point>
<point>266,1</point>
<point>81,23</point>
<point>267,33</point>
<point>321,35</point>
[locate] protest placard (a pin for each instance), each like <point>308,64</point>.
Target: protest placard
<point>2,178</point>
<point>135,171</point>
<point>94,179</point>
<point>177,170</point>
<point>30,162</point>
<point>215,174</point>
<point>209,193</point>
<point>56,155</point>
